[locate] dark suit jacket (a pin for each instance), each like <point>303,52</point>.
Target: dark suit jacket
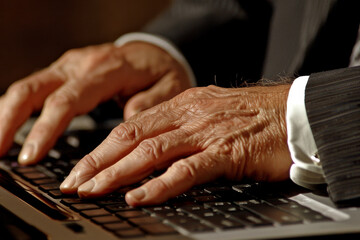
<point>332,101</point>
<point>229,38</point>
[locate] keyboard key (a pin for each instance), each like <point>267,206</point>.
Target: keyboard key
<point>59,172</point>
<point>220,221</point>
<point>50,186</point>
<point>34,175</point>
<point>129,233</point>
<point>225,193</point>
<point>158,229</point>
<point>218,189</point>
<point>196,226</point>
<point>131,214</point>
<point>196,193</point>
<point>106,219</point>
<point>187,222</point>
<point>95,213</point>
<point>117,226</point>
<point>159,210</point>
<point>170,214</point>
<point>264,190</point>
<point>44,181</point>
<point>239,214</point>
<point>69,201</point>
<point>119,207</point>
<point>144,220</point>
<point>213,217</point>
<point>84,206</point>
<point>56,194</point>
<point>111,201</point>
<point>226,207</point>
<point>194,208</point>
<point>203,199</point>
<point>250,219</point>
<point>22,170</point>
<point>59,194</point>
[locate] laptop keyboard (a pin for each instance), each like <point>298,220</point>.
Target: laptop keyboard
<point>217,206</point>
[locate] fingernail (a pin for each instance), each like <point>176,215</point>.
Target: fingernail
<point>69,182</point>
<point>27,153</point>
<point>87,187</point>
<point>137,194</point>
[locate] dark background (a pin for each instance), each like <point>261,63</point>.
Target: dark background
<point>33,34</point>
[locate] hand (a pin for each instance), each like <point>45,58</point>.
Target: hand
<point>199,135</point>
<point>78,82</point>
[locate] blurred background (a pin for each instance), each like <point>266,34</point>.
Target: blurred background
<point>36,33</point>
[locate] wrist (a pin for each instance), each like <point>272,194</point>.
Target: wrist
<point>162,43</point>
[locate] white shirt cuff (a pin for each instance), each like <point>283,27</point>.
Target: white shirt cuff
<point>162,43</point>
<point>306,170</point>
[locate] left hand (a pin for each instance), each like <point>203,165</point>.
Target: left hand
<point>139,72</point>
<point>199,135</point>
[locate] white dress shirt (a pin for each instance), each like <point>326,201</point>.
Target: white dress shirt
<point>306,170</point>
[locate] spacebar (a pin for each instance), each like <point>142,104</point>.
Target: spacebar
<point>43,205</point>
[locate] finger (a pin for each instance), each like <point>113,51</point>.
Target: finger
<point>55,117</point>
<point>149,155</point>
<point>73,98</point>
<point>164,89</point>
<point>179,178</point>
<point>120,142</point>
<point>21,99</point>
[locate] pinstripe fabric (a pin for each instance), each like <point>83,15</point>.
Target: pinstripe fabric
<point>355,55</point>
<point>332,101</point>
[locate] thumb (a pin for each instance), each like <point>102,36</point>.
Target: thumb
<point>164,89</point>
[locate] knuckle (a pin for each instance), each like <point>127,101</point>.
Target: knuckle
<point>61,100</point>
<point>191,99</point>
<point>225,146</point>
<point>238,158</point>
<point>195,99</point>
<point>190,93</point>
<point>70,53</point>
<point>185,169</point>
<point>196,107</point>
<point>200,92</point>
<point>42,128</point>
<point>109,175</point>
<point>212,88</point>
<point>161,186</point>
<point>128,131</point>
<point>90,162</point>
<point>151,148</point>
<point>20,89</point>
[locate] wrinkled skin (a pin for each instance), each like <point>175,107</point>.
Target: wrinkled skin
<point>138,72</point>
<point>198,136</point>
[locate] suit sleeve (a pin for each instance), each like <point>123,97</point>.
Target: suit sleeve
<point>221,39</point>
<point>332,102</point>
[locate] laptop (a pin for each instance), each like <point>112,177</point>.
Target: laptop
<point>32,206</point>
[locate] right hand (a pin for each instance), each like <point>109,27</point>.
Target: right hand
<point>198,136</point>
<point>139,72</point>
